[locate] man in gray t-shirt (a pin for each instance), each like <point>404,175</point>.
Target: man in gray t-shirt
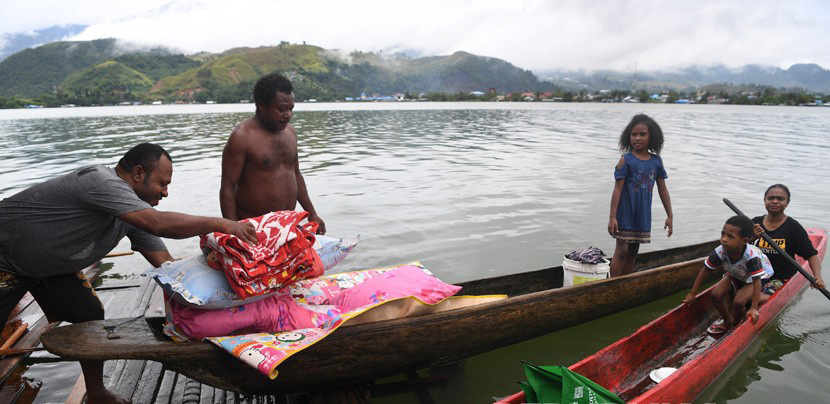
<point>74,220</point>
<point>53,230</point>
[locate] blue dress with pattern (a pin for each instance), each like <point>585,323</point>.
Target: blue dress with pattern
<point>634,210</point>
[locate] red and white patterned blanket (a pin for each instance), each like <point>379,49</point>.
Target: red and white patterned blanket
<point>283,256</point>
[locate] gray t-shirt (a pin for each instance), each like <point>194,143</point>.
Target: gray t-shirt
<point>68,223</point>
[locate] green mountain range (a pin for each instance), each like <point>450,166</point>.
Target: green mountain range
<point>109,82</point>
<point>108,71</point>
<point>99,65</point>
<point>102,72</point>
<point>37,71</point>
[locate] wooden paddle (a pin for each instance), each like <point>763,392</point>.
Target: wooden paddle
<point>119,254</point>
<point>18,351</point>
<point>14,336</point>
<point>780,250</point>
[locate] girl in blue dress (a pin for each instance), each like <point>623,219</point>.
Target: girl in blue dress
<point>636,173</point>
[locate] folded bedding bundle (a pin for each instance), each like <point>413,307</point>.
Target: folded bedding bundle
<point>283,256</point>
<point>193,282</point>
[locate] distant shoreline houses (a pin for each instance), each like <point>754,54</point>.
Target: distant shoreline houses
<point>491,95</point>
<point>377,97</point>
<point>605,96</point>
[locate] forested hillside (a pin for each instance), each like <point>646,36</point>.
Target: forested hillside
<point>99,72</point>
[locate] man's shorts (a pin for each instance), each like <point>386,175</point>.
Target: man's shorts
<point>62,298</point>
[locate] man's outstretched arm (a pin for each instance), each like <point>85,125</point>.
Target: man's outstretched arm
<point>156,258</point>
<point>180,225</point>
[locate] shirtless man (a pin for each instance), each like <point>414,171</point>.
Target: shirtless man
<point>260,167</point>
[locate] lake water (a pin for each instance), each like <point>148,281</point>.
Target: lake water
<point>475,190</point>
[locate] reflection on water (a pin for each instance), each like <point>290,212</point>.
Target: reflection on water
<point>471,190</point>
<point>764,353</point>
<point>789,362</point>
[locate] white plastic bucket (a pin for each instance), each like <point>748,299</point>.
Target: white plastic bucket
<point>577,273</point>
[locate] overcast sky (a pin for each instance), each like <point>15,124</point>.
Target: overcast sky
<point>531,34</point>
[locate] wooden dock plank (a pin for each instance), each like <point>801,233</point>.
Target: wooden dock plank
<point>145,390</point>
<point>206,394</point>
<point>219,396</point>
<point>130,377</point>
<point>118,303</point>
<point>122,376</point>
<point>178,389</point>
<point>165,391</point>
<point>192,393</point>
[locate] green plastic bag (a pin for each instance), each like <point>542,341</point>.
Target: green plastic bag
<point>558,384</point>
<point>530,394</point>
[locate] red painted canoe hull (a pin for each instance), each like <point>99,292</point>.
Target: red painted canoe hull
<point>678,339</point>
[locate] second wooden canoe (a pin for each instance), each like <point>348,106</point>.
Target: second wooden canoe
<point>679,340</point>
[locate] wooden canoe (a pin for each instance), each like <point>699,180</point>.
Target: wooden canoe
<point>678,339</point>
<point>537,304</point>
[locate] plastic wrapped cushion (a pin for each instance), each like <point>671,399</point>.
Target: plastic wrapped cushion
<point>334,250</point>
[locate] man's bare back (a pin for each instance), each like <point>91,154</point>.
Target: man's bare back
<point>260,167</point>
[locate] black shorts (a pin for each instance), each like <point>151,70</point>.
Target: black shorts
<point>766,285</point>
<point>62,298</point>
